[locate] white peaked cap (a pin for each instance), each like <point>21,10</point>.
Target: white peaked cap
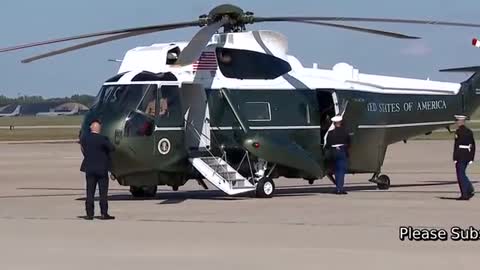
<point>337,118</point>
<point>460,117</point>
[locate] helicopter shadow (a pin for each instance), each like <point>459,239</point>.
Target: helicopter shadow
<point>176,197</point>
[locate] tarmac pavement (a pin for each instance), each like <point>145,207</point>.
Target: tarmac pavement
<point>303,227</point>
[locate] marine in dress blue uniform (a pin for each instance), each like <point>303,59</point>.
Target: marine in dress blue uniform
<point>463,155</point>
<point>96,150</point>
<point>338,141</point>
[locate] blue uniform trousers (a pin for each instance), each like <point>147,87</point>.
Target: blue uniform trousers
<point>466,187</point>
<point>340,167</point>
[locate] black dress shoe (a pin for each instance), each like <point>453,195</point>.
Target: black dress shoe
<point>463,198</point>
<point>86,217</point>
<point>341,192</point>
<point>106,217</point>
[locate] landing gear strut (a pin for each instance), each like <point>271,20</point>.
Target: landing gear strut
<point>382,181</point>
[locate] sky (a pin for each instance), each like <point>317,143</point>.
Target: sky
<point>83,71</point>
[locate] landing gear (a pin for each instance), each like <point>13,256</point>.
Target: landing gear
<point>265,188</point>
<point>143,191</point>
<point>202,183</point>
<point>382,181</point>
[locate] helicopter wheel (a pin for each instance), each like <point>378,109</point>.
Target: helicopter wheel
<point>383,182</point>
<point>265,188</point>
<point>311,181</point>
<point>143,191</point>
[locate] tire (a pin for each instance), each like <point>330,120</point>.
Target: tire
<point>143,191</point>
<point>265,188</point>
<point>383,182</point>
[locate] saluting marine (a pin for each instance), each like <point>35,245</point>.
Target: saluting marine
<point>463,155</point>
<point>338,141</point>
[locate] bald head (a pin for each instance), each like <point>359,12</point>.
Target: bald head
<point>95,127</point>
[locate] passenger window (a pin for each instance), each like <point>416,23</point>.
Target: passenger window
<point>258,111</point>
<point>168,100</point>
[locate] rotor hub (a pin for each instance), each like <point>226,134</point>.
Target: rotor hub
<point>236,17</point>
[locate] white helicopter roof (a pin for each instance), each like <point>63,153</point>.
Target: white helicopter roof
<point>153,58</point>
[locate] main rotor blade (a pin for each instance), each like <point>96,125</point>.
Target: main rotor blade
<point>160,27</point>
<point>462,69</point>
<point>88,44</point>
<point>361,29</point>
<point>359,19</point>
<point>195,47</point>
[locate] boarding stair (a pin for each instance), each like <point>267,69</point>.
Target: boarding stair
<point>220,174</point>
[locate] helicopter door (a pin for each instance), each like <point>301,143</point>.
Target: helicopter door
<point>351,111</point>
<point>139,126</point>
<point>197,118</point>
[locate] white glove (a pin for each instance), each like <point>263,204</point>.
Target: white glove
<point>470,162</point>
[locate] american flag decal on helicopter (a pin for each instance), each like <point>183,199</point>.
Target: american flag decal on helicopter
<point>206,61</point>
<point>476,43</point>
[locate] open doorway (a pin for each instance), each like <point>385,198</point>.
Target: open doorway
<point>326,108</point>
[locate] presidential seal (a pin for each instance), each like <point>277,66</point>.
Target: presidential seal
<point>164,146</point>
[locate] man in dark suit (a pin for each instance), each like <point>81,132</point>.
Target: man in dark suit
<point>96,150</point>
<point>463,155</point>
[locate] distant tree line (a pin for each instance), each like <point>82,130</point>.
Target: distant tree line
<point>86,100</point>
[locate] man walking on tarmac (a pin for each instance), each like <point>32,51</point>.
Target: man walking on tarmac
<point>463,155</point>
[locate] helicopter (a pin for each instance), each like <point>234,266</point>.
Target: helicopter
<point>234,108</point>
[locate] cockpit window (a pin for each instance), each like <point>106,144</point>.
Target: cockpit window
<point>244,64</point>
<point>115,93</point>
<point>124,97</point>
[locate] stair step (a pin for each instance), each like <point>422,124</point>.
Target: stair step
<point>225,166</point>
<point>238,187</point>
<point>213,162</point>
<point>228,175</point>
<point>236,180</point>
